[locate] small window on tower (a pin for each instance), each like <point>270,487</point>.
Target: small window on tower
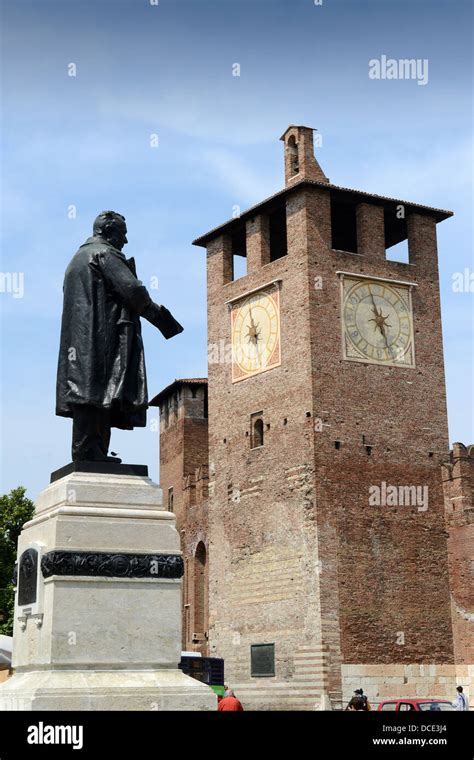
<point>396,233</point>
<point>239,253</point>
<point>399,252</point>
<point>170,500</point>
<point>277,232</point>
<point>256,423</point>
<point>343,226</point>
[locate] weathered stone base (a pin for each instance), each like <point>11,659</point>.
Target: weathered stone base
<point>395,681</point>
<point>309,688</point>
<point>105,690</point>
<point>290,696</point>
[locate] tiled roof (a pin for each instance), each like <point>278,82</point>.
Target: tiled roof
<point>439,213</point>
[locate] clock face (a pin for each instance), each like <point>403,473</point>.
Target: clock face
<point>377,322</point>
<point>255,322</point>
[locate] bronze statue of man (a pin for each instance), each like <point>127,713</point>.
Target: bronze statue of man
<point>101,381</point>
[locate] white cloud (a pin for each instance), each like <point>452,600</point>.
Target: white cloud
<point>211,113</point>
<point>428,173</point>
<point>245,185</point>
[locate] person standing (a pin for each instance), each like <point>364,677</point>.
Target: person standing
<point>230,703</point>
<point>360,700</point>
<point>357,704</point>
<point>460,703</point>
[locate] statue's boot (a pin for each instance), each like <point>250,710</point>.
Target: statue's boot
<point>117,460</point>
<point>96,454</point>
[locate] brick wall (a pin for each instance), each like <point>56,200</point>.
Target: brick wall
<point>264,570</point>
<point>184,468</point>
<point>458,480</point>
<point>387,566</point>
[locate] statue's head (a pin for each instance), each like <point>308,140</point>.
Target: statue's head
<point>111,226</point>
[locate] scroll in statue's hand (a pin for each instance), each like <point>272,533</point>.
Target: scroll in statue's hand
<point>163,320</point>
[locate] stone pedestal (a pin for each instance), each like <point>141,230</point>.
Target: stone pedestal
<point>98,602</point>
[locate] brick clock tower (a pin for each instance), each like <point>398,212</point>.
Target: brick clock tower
<point>328,555</point>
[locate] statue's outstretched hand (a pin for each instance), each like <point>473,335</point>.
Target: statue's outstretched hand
<point>162,319</point>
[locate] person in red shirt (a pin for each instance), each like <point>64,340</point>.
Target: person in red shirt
<point>229,702</point>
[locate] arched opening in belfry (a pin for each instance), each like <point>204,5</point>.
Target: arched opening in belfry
<point>293,154</point>
<point>200,561</point>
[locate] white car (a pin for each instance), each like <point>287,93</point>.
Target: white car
<point>6,643</point>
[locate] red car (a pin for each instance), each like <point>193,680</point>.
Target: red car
<point>419,705</point>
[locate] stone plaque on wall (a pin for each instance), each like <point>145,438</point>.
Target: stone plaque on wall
<point>27,577</point>
<point>262,660</point>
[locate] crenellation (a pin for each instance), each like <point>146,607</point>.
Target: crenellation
<point>370,231</point>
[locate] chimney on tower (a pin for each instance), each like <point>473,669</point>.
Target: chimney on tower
<point>300,162</point>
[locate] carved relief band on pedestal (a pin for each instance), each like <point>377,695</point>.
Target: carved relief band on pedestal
<point>102,564</point>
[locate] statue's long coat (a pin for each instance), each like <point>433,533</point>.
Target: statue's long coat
<point>101,357</point>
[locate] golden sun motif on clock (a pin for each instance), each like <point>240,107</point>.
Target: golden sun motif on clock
<point>255,325</point>
<point>377,322</point>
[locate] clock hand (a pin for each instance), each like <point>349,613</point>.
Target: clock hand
<point>372,297</point>
<point>379,319</point>
<point>253,334</point>
<point>374,309</point>
<point>257,354</point>
<point>251,318</point>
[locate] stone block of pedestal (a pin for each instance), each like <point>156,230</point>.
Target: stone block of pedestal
<point>98,602</point>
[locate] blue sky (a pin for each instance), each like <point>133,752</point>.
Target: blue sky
<point>167,70</point>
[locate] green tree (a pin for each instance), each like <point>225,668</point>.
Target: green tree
<point>15,510</point>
